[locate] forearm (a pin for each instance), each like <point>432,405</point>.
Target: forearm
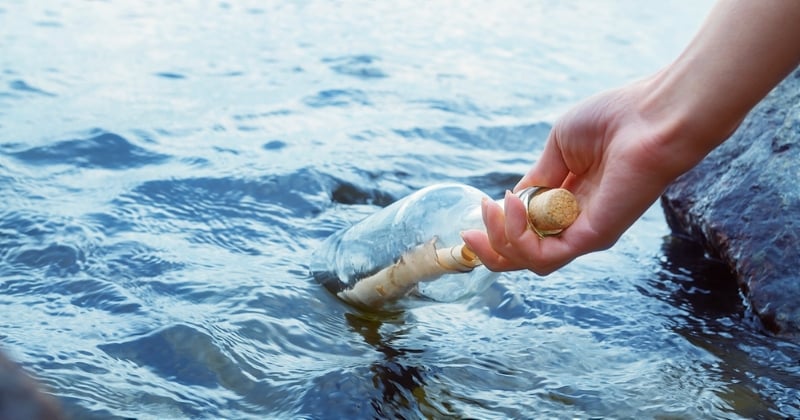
<point>743,50</point>
<point>618,150</point>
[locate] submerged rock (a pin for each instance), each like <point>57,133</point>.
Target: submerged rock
<point>743,204</point>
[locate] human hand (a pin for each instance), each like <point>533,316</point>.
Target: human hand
<point>617,151</point>
<point>610,155</point>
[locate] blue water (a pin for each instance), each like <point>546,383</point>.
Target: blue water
<point>167,168</point>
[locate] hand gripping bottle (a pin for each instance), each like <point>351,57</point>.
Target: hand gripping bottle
<point>413,247</point>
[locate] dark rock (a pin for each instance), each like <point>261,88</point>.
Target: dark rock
<point>21,396</point>
<point>742,203</point>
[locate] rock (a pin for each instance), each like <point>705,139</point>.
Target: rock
<point>742,203</point>
<point>21,397</point>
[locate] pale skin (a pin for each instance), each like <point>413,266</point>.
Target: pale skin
<point>618,151</point>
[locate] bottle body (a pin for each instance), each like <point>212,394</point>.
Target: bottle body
<point>437,213</point>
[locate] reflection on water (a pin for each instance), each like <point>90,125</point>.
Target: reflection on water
<point>167,170</point>
<point>399,385</point>
<point>750,361</point>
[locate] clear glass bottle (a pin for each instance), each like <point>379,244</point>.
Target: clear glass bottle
<point>440,211</point>
<point>436,214</point>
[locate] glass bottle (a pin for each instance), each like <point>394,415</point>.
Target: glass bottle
<point>418,235</point>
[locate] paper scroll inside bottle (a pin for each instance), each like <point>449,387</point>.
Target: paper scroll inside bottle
<point>413,247</point>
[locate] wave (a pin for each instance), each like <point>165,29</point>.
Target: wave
<point>100,150</point>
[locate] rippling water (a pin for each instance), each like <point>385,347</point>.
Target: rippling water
<point>167,168</point>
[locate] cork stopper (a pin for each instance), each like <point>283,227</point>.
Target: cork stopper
<point>551,210</point>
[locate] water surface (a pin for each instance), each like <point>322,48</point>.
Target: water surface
<point>167,168</point>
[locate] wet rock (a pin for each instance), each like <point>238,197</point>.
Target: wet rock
<point>21,396</point>
<point>743,204</point>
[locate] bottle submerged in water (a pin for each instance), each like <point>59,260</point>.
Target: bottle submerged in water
<point>411,247</point>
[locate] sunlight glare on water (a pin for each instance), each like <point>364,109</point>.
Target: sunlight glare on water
<point>168,168</point>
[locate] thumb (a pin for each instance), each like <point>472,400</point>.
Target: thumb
<point>550,170</point>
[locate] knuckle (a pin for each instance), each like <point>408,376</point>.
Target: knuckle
<point>605,243</point>
<point>545,270</point>
<point>497,240</point>
<point>493,265</point>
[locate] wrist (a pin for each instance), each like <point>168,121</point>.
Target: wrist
<point>687,119</point>
<point>697,102</point>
